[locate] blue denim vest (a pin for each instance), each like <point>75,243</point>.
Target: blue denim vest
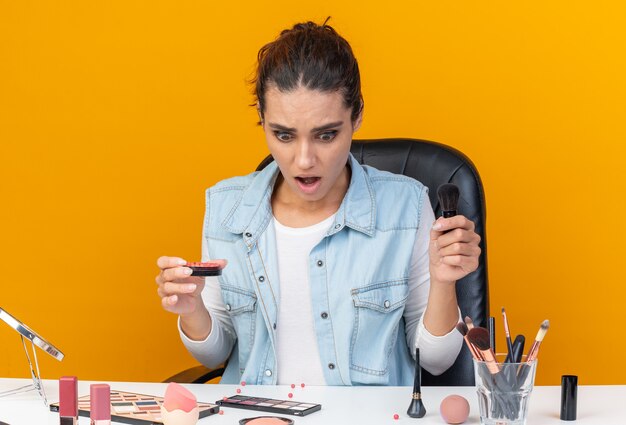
<point>358,276</point>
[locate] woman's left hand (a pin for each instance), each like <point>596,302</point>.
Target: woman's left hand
<point>453,250</point>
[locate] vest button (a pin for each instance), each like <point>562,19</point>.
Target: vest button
<point>268,372</point>
<point>337,226</point>
<point>320,263</point>
<point>331,366</point>
<point>261,278</point>
<point>248,234</point>
<point>228,307</point>
<point>387,304</point>
<point>324,315</point>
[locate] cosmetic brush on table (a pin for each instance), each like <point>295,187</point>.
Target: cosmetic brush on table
<point>416,408</point>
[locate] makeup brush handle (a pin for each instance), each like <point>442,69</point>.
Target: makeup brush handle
<point>491,327</point>
<point>534,351</point>
<point>417,382</point>
<point>518,348</point>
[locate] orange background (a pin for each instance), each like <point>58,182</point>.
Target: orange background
<point>115,117</point>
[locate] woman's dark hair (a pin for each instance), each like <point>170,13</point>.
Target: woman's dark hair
<point>312,56</point>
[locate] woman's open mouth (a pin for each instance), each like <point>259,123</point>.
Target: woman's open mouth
<point>308,184</point>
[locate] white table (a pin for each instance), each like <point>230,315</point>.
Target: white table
<point>598,405</point>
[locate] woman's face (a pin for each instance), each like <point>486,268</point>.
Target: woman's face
<point>309,133</point>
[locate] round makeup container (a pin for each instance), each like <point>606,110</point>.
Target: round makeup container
<point>266,420</point>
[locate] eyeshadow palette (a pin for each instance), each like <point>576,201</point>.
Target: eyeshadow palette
<point>287,407</point>
<point>133,408</point>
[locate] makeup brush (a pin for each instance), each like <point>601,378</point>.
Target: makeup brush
<point>491,327</point>
<point>480,338</point>
<point>469,322</point>
<point>416,408</point>
<point>448,195</point>
<point>534,349</point>
<point>509,344</point>
<point>518,349</point>
<point>462,328</point>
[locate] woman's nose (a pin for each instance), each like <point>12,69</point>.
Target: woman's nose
<point>305,155</point>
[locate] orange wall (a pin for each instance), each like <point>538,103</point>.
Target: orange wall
<point>114,118</point>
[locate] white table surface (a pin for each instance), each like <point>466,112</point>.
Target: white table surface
<point>601,405</point>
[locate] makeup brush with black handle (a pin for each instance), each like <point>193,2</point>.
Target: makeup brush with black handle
<point>416,408</point>
<point>448,195</point>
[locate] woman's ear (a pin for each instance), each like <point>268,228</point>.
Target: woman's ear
<point>358,121</point>
<point>258,111</point>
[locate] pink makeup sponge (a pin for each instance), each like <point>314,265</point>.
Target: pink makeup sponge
<point>454,409</point>
<point>179,397</point>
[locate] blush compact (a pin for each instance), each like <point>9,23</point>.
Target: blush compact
<point>205,269</point>
<point>266,420</point>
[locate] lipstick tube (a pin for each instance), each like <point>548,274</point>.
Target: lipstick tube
<point>100,404</point>
<point>68,400</point>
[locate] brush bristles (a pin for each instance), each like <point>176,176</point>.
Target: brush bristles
<point>479,337</point>
<point>462,328</point>
<point>545,325</point>
<point>448,195</point>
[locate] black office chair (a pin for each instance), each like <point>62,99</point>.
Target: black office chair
<point>433,164</point>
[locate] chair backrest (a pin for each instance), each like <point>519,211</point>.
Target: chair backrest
<point>434,164</point>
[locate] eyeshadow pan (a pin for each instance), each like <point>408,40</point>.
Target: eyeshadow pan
<point>123,407</point>
<point>146,403</point>
<point>281,406</point>
<point>249,402</point>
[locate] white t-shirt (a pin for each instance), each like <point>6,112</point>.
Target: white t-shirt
<point>297,350</point>
<point>298,357</point>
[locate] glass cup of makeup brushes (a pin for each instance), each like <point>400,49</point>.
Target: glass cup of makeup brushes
<point>504,390</point>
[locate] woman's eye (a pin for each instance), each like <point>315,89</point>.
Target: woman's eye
<point>328,136</point>
<point>282,136</point>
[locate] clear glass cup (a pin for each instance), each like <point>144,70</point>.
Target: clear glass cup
<point>504,390</point>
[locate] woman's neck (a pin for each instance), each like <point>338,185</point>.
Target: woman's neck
<point>293,211</point>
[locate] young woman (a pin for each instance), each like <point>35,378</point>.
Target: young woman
<point>336,271</point>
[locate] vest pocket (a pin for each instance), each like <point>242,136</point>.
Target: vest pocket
<point>241,305</point>
<point>378,309</point>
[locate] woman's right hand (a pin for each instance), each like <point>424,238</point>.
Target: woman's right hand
<point>178,290</point>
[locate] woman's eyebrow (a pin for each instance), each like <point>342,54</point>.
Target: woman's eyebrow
<point>281,127</point>
<point>327,126</point>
